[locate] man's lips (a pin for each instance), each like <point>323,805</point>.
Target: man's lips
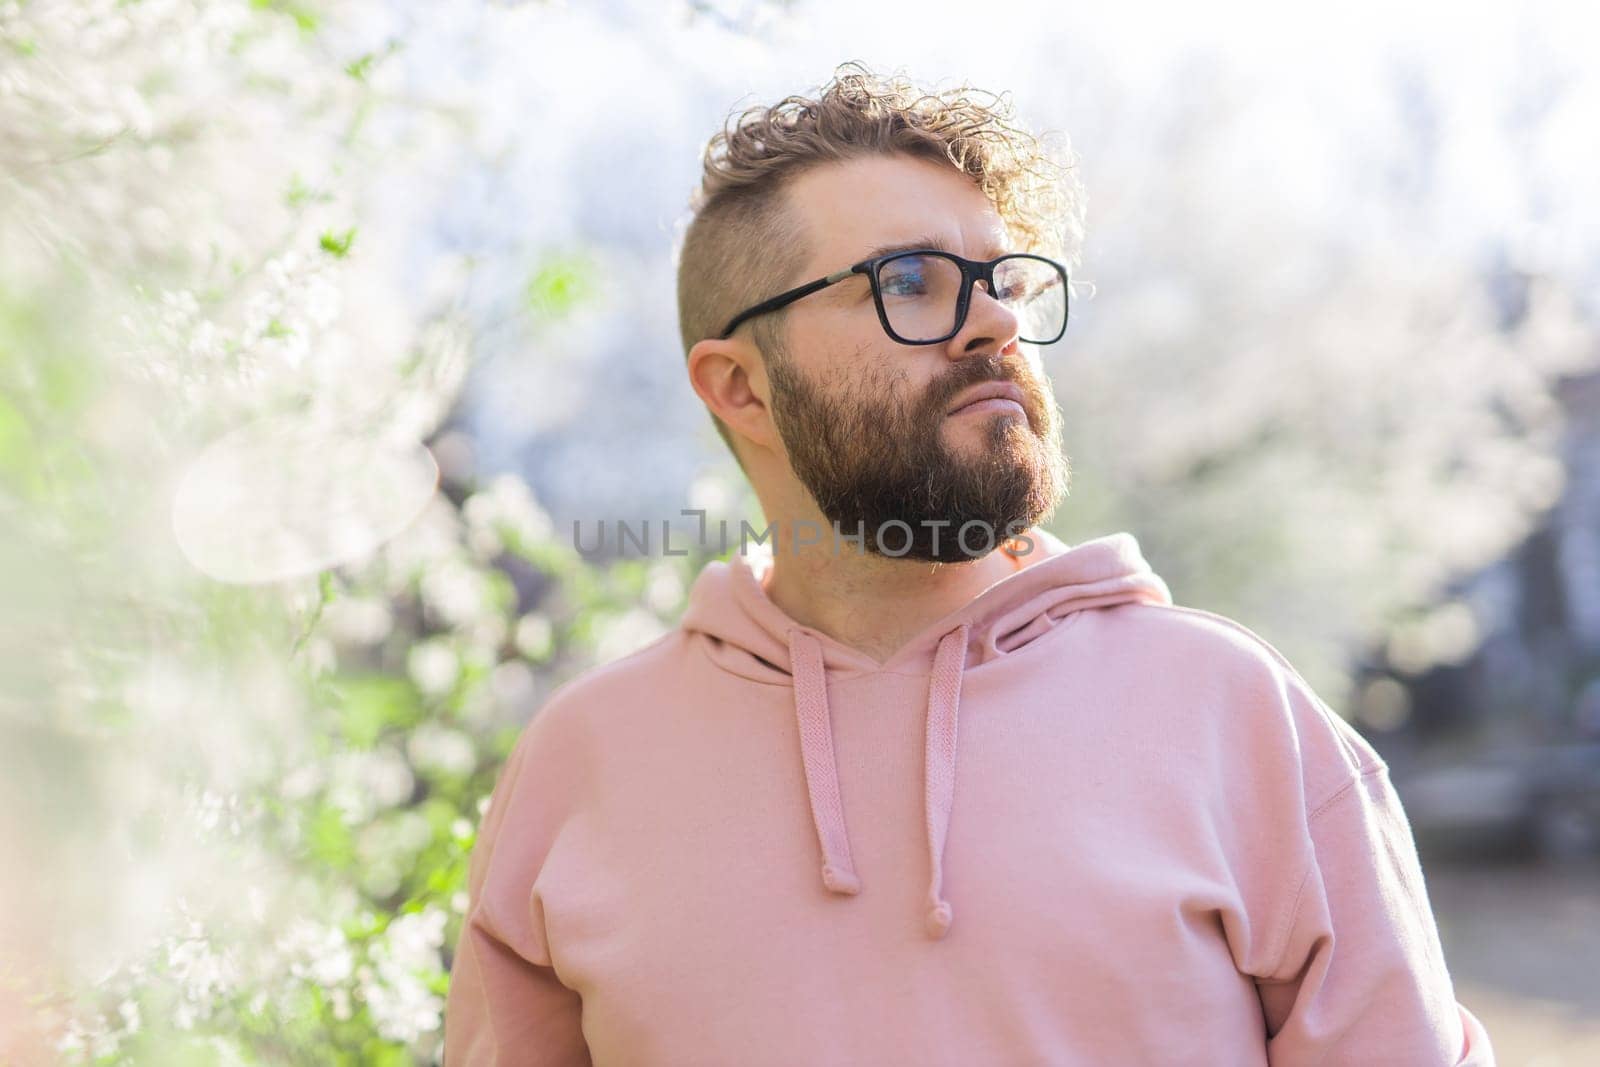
<point>990,396</point>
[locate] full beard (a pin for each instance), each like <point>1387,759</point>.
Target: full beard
<point>879,467</point>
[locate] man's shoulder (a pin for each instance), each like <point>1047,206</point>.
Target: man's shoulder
<point>1240,685</point>
<point>1193,640</point>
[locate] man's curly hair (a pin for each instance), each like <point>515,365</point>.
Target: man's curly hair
<point>742,244</point>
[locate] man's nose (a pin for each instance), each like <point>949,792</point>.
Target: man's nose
<point>991,328</point>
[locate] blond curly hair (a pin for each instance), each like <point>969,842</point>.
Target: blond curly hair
<point>742,246</point>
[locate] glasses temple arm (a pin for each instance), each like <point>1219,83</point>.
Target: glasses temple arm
<point>783,299</point>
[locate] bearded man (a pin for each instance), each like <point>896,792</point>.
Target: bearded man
<point>914,781</point>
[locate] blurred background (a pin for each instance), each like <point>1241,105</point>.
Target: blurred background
<point>321,325</point>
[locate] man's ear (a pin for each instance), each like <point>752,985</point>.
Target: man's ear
<point>730,377</point>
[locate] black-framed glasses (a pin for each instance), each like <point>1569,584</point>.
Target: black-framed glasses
<point>923,294</point>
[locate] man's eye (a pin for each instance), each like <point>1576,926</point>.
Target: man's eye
<point>1022,290</point>
<point>905,285</point>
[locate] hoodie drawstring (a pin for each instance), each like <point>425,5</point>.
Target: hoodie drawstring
<point>822,774</point>
<point>939,766</point>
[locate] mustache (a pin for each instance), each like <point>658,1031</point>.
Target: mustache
<point>976,371</point>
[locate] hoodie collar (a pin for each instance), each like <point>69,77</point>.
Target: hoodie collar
<point>753,637</point>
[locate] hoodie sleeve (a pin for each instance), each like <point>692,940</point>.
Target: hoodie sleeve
<point>506,1007</point>
<point>1361,978</point>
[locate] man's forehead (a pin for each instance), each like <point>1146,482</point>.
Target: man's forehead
<point>840,241</point>
<point>863,208</point>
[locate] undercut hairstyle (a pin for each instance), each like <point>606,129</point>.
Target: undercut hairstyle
<point>743,243</point>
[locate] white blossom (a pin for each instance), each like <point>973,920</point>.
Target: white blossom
<point>433,666</point>
<point>442,748</point>
<point>394,986</point>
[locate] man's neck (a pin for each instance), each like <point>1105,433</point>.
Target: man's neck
<point>871,603</point>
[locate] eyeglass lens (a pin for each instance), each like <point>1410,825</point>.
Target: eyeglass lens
<point>921,292</point>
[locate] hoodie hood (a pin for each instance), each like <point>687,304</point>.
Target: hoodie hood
<point>754,638</point>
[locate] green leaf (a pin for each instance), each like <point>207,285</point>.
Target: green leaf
<point>338,244</point>
<point>361,67</point>
<point>299,193</point>
<point>559,285</point>
<point>304,17</point>
<point>328,839</point>
<point>380,1053</point>
<point>370,704</point>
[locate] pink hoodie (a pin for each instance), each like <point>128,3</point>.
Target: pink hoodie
<point>1069,823</point>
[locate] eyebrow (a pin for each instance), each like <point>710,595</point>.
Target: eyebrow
<point>933,241</point>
